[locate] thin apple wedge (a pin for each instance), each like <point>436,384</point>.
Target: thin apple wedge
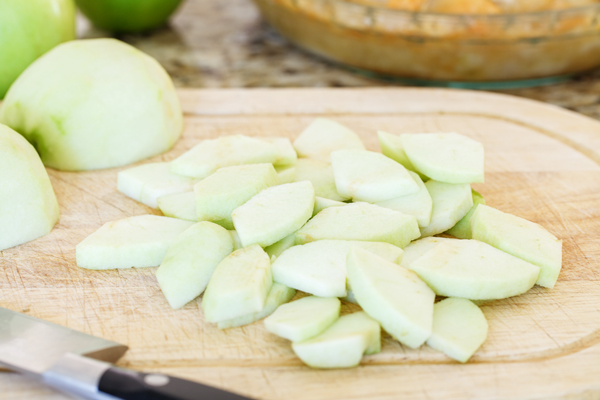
<point>179,205</point>
<point>239,285</point>
<point>418,204</point>
<point>450,204</point>
<point>303,319</point>
<point>286,154</point>
<point>322,137</point>
<point>237,244</point>
<point>139,242</point>
<point>191,260</point>
<point>343,344</point>
<point>282,245</point>
<point>391,146</point>
<point>392,295</point>
<point>459,328</point>
<point>418,248</point>
<point>321,175</point>
<point>377,224</point>
<point>323,203</point>
<point>286,174</point>
<point>369,176</point>
<point>462,229</point>
<point>274,213</point>
<point>521,238</point>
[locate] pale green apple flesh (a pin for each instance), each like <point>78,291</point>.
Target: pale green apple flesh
<point>237,243</point>
<point>210,155</point>
<point>419,247</point>
<point>278,295</point>
<point>450,204</point>
<point>279,247</point>
<point>191,260</point>
<point>286,154</point>
<point>418,204</point>
<point>239,285</point>
<point>392,295</point>
<point>179,205</point>
<point>343,344</point>
<point>286,174</point>
<point>521,238</point>
<point>391,146</point>
<point>459,328</point>
<point>274,213</point>
<point>377,224</point>
<point>369,176</point>
<point>445,157</point>
<point>303,319</point>
<point>230,187</point>
<point>28,205</point>
<point>319,268</point>
<point>148,182</point>
<point>139,242</point>
<point>462,229</point>
<point>322,203</point>
<point>320,174</point>
<point>91,104</point>
<point>474,270</point>
<point>322,137</point>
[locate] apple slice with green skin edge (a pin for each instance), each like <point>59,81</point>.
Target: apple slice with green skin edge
<point>343,344</point>
<point>28,205</point>
<point>146,183</point>
<point>286,154</point>
<point>303,319</point>
<point>138,242</point>
<point>321,176</point>
<point>230,187</point>
<point>319,268</point>
<point>450,204</point>
<point>445,157</point>
<point>322,137</point>
<point>179,205</point>
<point>274,213</point>
<point>191,260</point>
<point>278,295</point>
<point>392,295</point>
<point>521,238</point>
<point>459,328</point>
<point>369,176</point>
<point>418,204</point>
<point>391,147</point>
<point>209,155</point>
<point>279,247</point>
<point>322,203</point>
<point>377,224</point>
<point>462,229</point>
<point>474,270</point>
<point>239,285</point>
<point>419,247</point>
<point>286,174</point>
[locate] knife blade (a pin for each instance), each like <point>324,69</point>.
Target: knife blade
<point>79,364</point>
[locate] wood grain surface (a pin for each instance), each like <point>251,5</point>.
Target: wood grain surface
<point>542,163</point>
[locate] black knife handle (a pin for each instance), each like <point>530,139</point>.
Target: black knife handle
<point>130,385</point>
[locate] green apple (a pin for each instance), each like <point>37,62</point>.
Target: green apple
<point>462,229</point>
<point>459,328</point>
<point>279,247</point>
<point>303,319</point>
<point>191,260</point>
<point>322,203</point>
<point>286,174</point>
<point>237,243</point>
<point>128,15</point>
<point>286,154</point>
<point>91,104</point>
<point>179,205</point>
<point>391,146</point>
<point>139,242</point>
<point>369,176</point>
<point>451,202</point>
<point>322,137</point>
<point>321,176</point>
<point>239,285</point>
<point>418,204</point>
<point>521,238</point>
<point>28,29</point>
<point>28,205</point>
<point>419,247</point>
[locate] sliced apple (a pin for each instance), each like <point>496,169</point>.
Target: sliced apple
<point>322,137</point>
<point>474,270</point>
<point>303,319</point>
<point>286,154</point>
<point>139,242</point>
<point>278,295</point>
<point>319,267</point>
<point>450,204</point>
<point>286,174</point>
<point>230,187</point>
<point>322,203</point>
<point>179,205</point>
<point>321,175</point>
<point>392,295</point>
<point>274,213</point>
<point>350,298</point>
<point>377,224</point>
<point>391,146</point>
<point>343,344</point>
<point>279,247</point>
<point>239,285</point>
<point>521,238</point>
<point>369,176</point>
<point>419,247</point>
<point>459,328</point>
<point>191,260</point>
<point>237,244</point>
<point>462,229</point>
<point>210,155</point>
<point>418,204</point>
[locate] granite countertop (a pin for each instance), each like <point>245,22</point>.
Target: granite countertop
<point>215,43</point>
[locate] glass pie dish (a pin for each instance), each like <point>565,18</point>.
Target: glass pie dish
<point>460,50</point>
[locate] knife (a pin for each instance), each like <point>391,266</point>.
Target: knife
<point>79,364</point>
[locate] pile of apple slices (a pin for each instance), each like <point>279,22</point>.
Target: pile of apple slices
<point>248,224</point>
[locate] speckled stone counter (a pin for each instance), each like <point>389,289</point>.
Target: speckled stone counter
<point>216,43</point>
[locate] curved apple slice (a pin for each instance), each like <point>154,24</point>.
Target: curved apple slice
<point>322,137</point>
<point>450,204</point>
<point>418,204</point>
<point>462,229</point>
<point>321,176</point>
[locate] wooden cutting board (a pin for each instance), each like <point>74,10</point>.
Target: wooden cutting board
<point>542,163</point>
